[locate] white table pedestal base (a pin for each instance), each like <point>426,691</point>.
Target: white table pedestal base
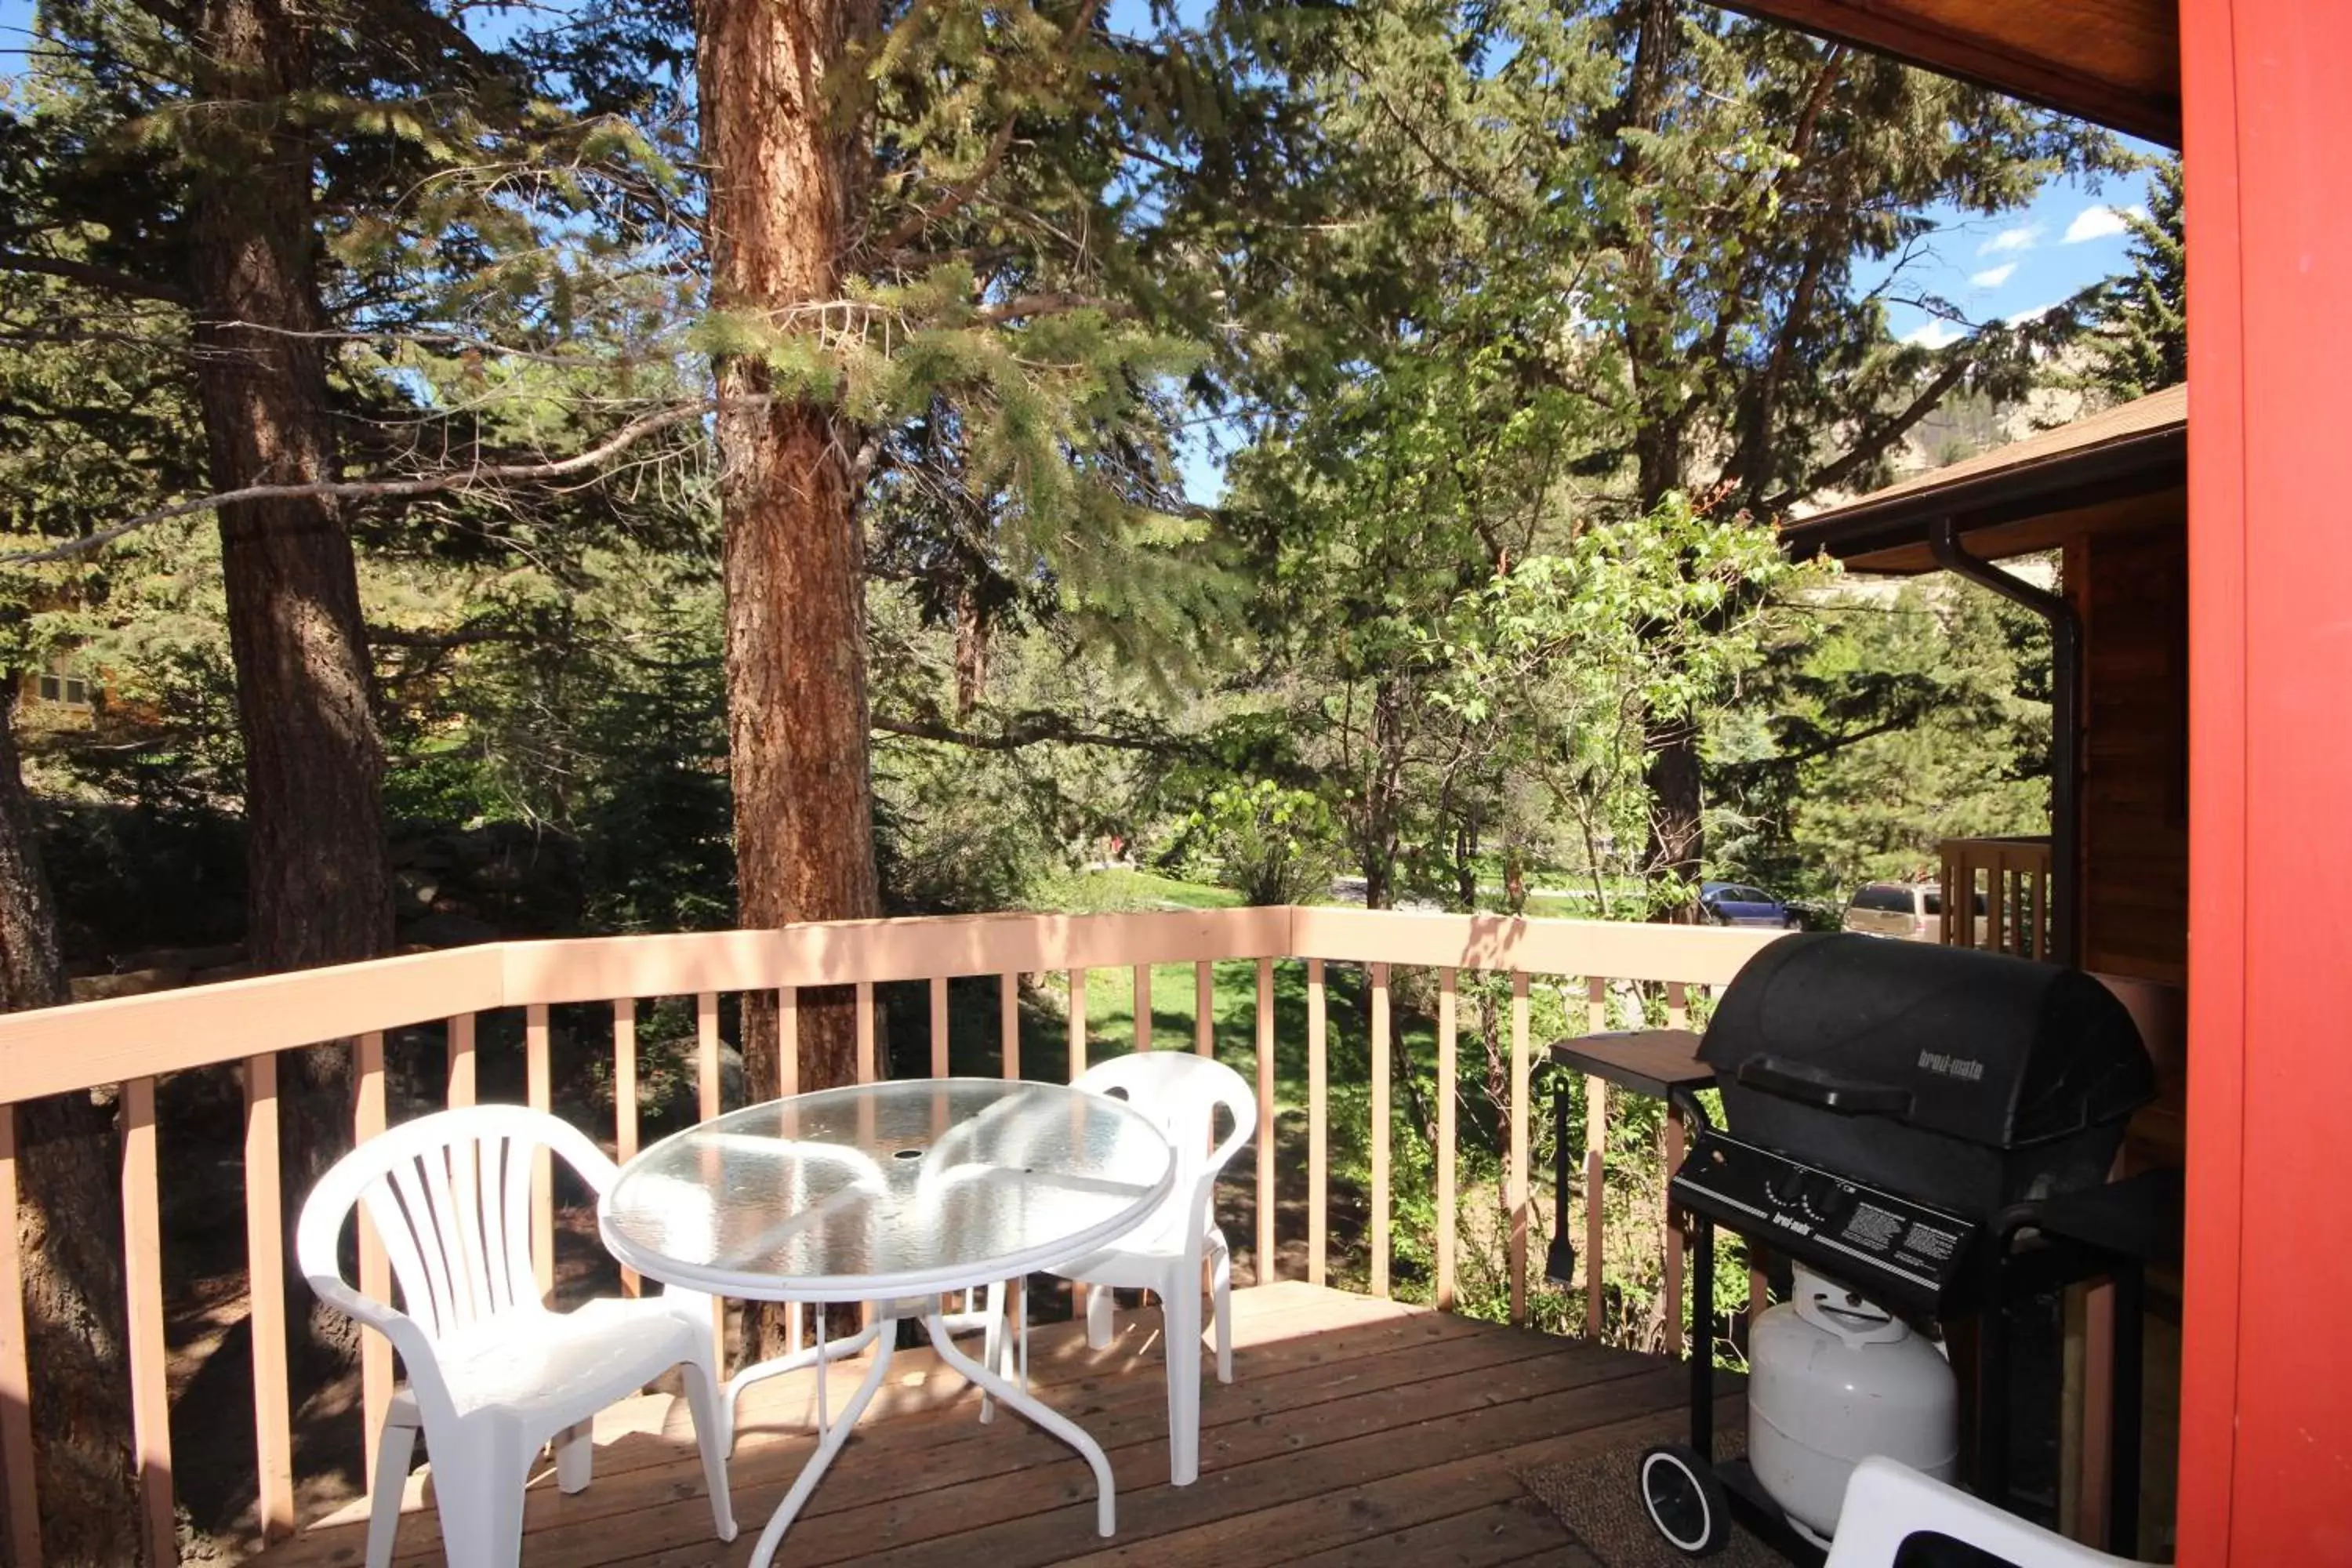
<point>832,1434</point>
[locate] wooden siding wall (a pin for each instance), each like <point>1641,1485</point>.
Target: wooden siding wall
<point>2132,591</point>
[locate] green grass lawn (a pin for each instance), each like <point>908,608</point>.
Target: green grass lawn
<point>975,1049</point>
<point>1124,891</point>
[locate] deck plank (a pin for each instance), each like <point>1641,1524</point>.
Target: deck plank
<point>947,1446</point>
<point>985,1471</point>
<point>1355,1430</point>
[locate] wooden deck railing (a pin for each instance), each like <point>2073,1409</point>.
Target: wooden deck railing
<point>1997,895</point>
<point>134,1041</point>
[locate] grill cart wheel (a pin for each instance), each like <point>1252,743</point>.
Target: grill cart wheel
<point>1686,1502</point>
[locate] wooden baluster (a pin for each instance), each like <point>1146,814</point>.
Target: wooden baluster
<point>1448,981</point>
<point>625,1101</point>
<point>265,1251</point>
<point>1267,1193</point>
<point>539,1092</point>
<point>708,1097</point>
<point>1381,1130</point>
<point>461,1061</point>
<point>1008,1022</point>
<point>939,1027</point>
<point>1143,1007</point>
<point>1678,1005</point>
<point>1596,1169</point>
<point>15,1373</point>
<point>706,1055</point>
<point>1204,1008</point>
<point>143,1270</point>
<point>376,1268</point>
<point>1317,1132</point>
<point>865,1031</point>
<point>788,1044</point>
<point>786,1087</point>
<point>1078,1023</point>
<point>1517,1190</point>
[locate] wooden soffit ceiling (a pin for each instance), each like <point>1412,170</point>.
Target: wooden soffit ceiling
<point>2114,62</point>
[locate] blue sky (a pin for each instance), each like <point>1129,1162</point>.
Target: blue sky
<point>2017,263</point>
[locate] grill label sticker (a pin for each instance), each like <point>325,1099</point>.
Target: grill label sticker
<point>1873,1227</point>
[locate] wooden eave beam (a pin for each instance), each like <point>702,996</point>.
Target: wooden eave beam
<point>1986,58</point>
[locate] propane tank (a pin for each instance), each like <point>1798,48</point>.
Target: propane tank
<point>1833,1379</point>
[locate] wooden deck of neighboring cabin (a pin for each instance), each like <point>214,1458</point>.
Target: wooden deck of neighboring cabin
<point>1355,1430</point>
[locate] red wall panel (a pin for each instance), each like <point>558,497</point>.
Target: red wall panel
<point>2266,1442</point>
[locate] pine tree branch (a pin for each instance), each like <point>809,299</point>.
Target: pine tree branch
<point>1875,441</point>
<point>467,635</point>
<point>473,477</point>
<point>92,275</point>
<point>1024,306</point>
<point>961,195</point>
<point>1031,728</point>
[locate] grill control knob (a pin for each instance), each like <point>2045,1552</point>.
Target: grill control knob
<point>1787,1186</point>
<point>1820,1192</point>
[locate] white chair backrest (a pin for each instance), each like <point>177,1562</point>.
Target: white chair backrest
<point>1182,1093</point>
<point>449,1194</point>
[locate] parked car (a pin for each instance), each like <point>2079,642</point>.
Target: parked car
<point>1737,904</point>
<point>1908,911</point>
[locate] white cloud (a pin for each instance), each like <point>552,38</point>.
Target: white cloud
<point>2099,223</point>
<point>2035,314</point>
<point>1934,334</point>
<point>2021,238</point>
<point>1992,277</point>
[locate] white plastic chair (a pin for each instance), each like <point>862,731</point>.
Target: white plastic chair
<point>1887,1503</point>
<point>1182,1093</point>
<point>493,1375</point>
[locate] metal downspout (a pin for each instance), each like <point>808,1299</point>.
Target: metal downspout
<point>2065,728</point>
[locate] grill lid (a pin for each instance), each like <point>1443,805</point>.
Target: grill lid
<point>2000,1051</point>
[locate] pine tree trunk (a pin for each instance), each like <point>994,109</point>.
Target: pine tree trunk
<point>1677,841</point>
<point>971,650</point>
<point>69,1233</point>
<point>317,887</point>
<point>781,147</point>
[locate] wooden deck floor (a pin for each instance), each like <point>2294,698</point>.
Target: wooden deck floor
<point>1354,1431</point>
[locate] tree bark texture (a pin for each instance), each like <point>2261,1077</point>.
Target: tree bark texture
<point>970,649</point>
<point>780,135</point>
<point>69,1233</point>
<point>318,891</point>
<point>1677,841</point>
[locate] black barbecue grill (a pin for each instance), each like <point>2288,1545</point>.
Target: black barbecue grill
<point>1966,1079</point>
<point>1899,1116</point>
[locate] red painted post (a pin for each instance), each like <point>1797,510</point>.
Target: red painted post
<point>2266,1419</point>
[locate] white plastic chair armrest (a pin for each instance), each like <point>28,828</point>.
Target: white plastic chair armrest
<point>409,1340</point>
<point>1887,1503</point>
<point>1205,1187</point>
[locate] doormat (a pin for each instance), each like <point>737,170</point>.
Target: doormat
<point>1598,1499</point>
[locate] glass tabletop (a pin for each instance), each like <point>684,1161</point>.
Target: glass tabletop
<point>887,1189</point>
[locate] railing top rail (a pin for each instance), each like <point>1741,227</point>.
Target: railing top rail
<point>1619,950</point>
<point>56,1050</point>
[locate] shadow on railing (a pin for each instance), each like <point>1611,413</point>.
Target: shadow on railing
<point>133,1042</point>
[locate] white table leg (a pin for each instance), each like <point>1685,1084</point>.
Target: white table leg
<point>1016,1398</point>
<point>830,1444</point>
<point>822,1350</point>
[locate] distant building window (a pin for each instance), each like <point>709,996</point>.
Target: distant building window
<point>69,690</point>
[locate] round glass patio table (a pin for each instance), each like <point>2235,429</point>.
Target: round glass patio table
<point>893,1194</point>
